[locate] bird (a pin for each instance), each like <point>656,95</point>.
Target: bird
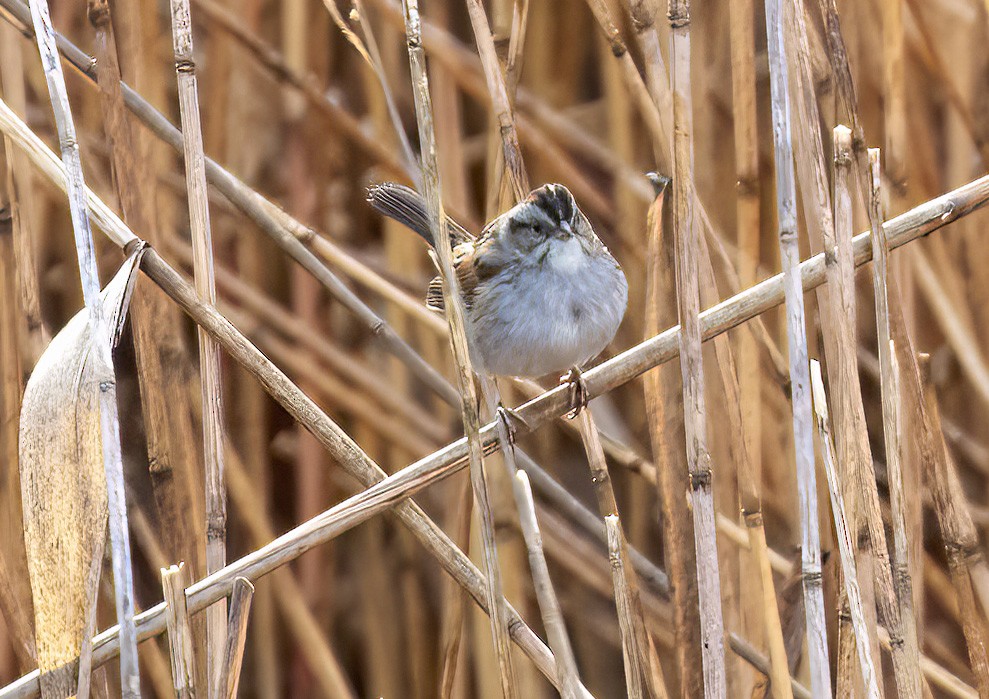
<point>542,293</point>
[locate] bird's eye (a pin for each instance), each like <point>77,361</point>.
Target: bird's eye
<point>536,227</point>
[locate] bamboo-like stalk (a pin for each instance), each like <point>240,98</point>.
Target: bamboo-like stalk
<point>646,659</point>
<point>455,599</point>
<point>549,605</point>
<point>796,336</point>
<point>862,644</point>
<point>623,602</point>
<point>662,405</point>
<point>691,361</point>
<point>920,221</point>
<point>228,675</point>
<point>747,216</point>
<point>158,387</point>
<point>854,455</point>
<point>456,317</point>
<point>748,496</point>
<point>958,533</point>
<point>891,409</point>
<point>209,351</point>
<point>109,422</point>
<point>174,580</point>
<point>503,113</point>
<point>817,205</point>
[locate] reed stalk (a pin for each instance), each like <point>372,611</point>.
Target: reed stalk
<point>20,196</point>
<point>228,675</point>
<point>889,381</point>
<point>100,348</point>
<point>691,362</point>
<point>810,545</point>
<point>862,644</point>
<point>174,580</point>
<point>854,455</point>
<point>747,216</point>
<point>549,605</point>
<point>209,351</point>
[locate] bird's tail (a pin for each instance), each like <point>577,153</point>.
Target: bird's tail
<point>405,205</point>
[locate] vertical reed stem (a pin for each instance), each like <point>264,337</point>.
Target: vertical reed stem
<point>209,352</point>
<point>889,381</point>
<point>130,680</point>
<point>691,362</point>
<point>803,437</point>
<point>866,665</point>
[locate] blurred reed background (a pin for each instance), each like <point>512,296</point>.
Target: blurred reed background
<point>309,115</point>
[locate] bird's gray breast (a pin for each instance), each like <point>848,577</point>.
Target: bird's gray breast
<point>550,312</point>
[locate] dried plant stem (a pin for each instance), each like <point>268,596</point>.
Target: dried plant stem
<point>623,602</point>
<point>961,540</point>
<point>228,675</point>
<point>456,317</point>
<point>158,386</point>
<point>813,175</point>
<point>691,362</point>
<point>891,431</point>
<point>209,351</point>
<point>646,661</point>
<point>757,660</point>
<point>862,643</point>
<point>455,598</point>
<point>174,580</point>
<point>109,423</point>
<point>501,104</point>
<point>747,214</point>
<point>549,605</point>
<point>854,456</point>
<point>796,335</point>
<point>663,398</point>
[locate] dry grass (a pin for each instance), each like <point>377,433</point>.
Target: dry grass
<point>342,399</point>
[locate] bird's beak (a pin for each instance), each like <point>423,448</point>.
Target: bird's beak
<point>564,230</point>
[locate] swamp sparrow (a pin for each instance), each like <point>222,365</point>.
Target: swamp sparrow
<point>542,292</point>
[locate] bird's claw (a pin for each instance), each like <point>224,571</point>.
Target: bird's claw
<point>578,391</point>
<point>510,419</point>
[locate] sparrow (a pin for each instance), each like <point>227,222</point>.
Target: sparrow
<point>541,291</point>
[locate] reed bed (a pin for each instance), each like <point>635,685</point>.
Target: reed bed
<point>261,399</point>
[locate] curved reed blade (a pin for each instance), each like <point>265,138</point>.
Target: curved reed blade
<point>63,491</point>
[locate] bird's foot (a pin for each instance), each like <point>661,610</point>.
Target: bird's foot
<point>578,391</point>
<point>511,420</point>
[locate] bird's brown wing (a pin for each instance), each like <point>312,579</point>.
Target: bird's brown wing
<point>468,264</point>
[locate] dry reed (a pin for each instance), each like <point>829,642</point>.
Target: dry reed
<point>307,105</point>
